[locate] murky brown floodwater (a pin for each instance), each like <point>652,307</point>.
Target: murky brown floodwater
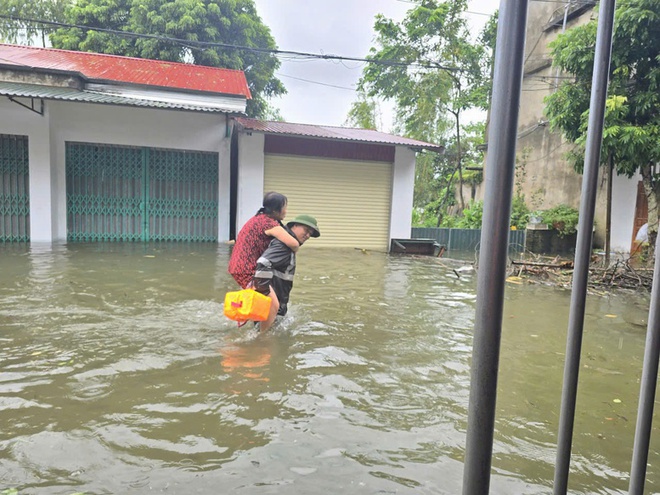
<point>119,374</point>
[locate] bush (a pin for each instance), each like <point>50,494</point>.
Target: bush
<point>519,213</point>
<point>422,218</point>
<point>472,216</point>
<point>449,222</point>
<point>562,218</point>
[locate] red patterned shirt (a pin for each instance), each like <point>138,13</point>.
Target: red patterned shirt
<point>251,242</point>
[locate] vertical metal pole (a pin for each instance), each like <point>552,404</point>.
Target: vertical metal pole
<point>500,164</point>
<point>583,247</point>
<point>647,388</point>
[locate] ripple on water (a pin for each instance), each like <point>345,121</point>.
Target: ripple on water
<point>119,373</point>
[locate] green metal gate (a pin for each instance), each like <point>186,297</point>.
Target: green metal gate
<point>140,194</point>
<point>14,189</point>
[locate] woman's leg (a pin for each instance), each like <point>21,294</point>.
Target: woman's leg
<point>274,308</point>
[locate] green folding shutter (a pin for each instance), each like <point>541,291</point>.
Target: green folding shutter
<point>14,189</point>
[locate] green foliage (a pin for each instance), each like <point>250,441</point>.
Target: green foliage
<point>273,114</point>
<point>435,175</point>
<point>430,178</point>
<point>13,31</point>
<point>363,113</point>
<point>519,213</point>
<point>472,216</point>
<point>423,218</point>
<point>433,33</point>
<point>563,218</point>
<point>449,222</point>
<point>632,122</point>
<point>234,22</point>
<point>444,71</point>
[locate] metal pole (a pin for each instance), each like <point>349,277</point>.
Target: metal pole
<point>583,247</point>
<point>500,164</point>
<point>647,388</point>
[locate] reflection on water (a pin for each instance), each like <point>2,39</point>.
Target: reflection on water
<point>119,374</point>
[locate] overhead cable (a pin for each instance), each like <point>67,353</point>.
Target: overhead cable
<point>215,44</point>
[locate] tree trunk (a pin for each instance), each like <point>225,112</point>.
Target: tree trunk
<point>652,191</point>
<point>444,201</point>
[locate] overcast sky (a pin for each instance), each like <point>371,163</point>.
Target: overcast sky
<point>337,27</point>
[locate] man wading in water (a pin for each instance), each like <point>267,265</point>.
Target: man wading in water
<point>277,266</point>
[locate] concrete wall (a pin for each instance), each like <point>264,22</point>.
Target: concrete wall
<point>403,185</point>
<point>82,122</point>
<point>542,172</point>
<point>21,121</point>
<point>624,199</point>
<point>250,188</point>
<point>250,193</point>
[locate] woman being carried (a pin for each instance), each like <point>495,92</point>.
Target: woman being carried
<point>255,236</point>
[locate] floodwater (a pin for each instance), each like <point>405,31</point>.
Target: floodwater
<point>119,374</point>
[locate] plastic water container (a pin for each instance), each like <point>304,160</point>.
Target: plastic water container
<point>247,304</point>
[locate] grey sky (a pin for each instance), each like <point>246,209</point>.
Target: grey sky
<point>340,27</point>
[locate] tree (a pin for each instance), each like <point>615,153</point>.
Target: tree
<point>233,22</point>
<point>631,136</point>
<point>364,113</point>
<point>443,72</point>
<point>14,31</point>
<point>472,156</point>
<point>434,176</point>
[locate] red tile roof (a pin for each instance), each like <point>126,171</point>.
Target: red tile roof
<point>329,132</point>
<point>113,68</point>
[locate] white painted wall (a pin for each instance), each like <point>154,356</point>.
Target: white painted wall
<point>251,184</point>
<point>624,198</point>
<point>403,185</point>
<point>82,122</point>
<point>21,121</point>
<point>250,192</point>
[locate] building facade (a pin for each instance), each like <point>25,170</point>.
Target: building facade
<point>542,173</point>
<point>103,148</point>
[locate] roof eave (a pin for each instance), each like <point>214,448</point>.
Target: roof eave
<point>235,106</point>
<point>435,149</point>
<point>84,79</point>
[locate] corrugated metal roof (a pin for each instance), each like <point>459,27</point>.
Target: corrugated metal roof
<point>101,67</point>
<point>329,132</point>
<point>223,104</point>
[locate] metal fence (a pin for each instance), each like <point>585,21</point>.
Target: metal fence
<point>466,239</point>
<point>14,189</point>
<point>117,193</point>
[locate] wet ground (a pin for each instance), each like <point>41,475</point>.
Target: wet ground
<point>119,374</point>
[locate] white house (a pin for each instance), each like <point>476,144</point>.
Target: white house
<point>99,147</point>
<point>357,182</point>
<point>105,148</point>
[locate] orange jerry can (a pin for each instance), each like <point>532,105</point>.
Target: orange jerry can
<point>247,304</point>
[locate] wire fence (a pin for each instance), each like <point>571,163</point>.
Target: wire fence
<point>465,239</point>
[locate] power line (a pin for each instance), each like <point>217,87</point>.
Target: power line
<point>213,44</point>
<point>315,82</point>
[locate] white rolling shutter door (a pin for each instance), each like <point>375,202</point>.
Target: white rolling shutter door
<point>350,199</point>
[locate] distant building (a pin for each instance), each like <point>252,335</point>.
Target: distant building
<point>104,148</point>
<point>547,179</point>
<point>357,182</point>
